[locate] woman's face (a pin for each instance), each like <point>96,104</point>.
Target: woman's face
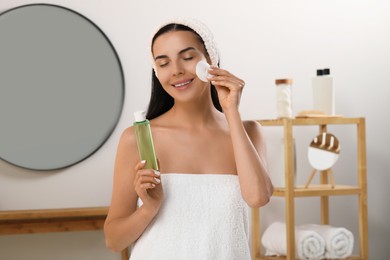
<point>176,54</point>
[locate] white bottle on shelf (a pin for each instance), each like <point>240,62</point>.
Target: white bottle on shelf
<point>284,98</point>
<point>323,92</point>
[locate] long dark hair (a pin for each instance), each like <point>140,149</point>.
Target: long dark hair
<point>160,101</point>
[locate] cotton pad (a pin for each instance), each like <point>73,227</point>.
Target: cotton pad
<point>202,70</point>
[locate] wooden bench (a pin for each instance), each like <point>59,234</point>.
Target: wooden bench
<point>54,220</point>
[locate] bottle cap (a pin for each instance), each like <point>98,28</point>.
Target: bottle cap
<point>139,116</point>
<point>326,71</point>
<point>202,70</point>
<point>283,81</point>
<point>320,72</point>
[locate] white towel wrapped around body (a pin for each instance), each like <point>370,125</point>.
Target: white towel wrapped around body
<point>338,240</point>
<point>202,216</point>
<point>308,244</point>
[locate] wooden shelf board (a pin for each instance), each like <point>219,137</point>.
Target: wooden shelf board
<point>52,220</point>
<point>47,226</point>
<point>52,213</point>
<point>13,222</point>
<point>318,190</point>
<point>312,121</point>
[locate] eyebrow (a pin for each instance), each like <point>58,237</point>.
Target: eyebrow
<point>180,52</point>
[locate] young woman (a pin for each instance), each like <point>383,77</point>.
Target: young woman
<point>212,164</point>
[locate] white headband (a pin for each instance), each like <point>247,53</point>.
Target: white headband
<point>199,28</point>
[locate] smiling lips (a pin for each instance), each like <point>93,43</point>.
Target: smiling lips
<point>182,85</point>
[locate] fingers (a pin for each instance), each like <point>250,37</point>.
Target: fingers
<point>229,83</point>
<point>145,178</point>
<point>223,77</point>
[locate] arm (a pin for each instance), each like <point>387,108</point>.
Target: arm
<point>248,142</point>
<point>250,156</point>
<point>125,222</point>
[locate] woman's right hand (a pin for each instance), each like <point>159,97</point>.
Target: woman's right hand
<point>147,184</point>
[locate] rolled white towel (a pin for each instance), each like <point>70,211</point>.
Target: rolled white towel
<point>338,240</point>
<point>308,244</point>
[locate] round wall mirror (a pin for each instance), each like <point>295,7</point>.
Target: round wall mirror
<point>324,151</point>
<point>62,87</point>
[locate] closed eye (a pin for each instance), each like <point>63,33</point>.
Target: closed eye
<point>163,65</point>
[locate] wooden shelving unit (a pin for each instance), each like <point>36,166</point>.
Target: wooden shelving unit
<point>323,190</point>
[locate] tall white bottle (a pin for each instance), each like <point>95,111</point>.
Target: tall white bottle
<point>323,92</point>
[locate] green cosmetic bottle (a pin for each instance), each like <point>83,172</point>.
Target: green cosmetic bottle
<point>145,140</point>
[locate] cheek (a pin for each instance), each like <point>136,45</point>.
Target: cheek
<point>160,73</point>
<point>190,66</point>
<point>163,77</point>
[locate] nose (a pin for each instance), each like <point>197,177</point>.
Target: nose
<point>177,68</point>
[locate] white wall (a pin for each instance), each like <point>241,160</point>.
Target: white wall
<point>259,41</point>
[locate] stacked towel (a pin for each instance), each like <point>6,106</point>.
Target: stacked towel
<point>338,240</point>
<point>309,244</point>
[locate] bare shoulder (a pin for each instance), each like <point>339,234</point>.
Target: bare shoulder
<point>128,136</point>
<point>128,142</point>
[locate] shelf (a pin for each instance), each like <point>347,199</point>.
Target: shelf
<point>318,190</point>
<point>35,221</point>
<point>40,214</point>
<point>284,258</point>
<point>311,121</point>
<point>51,220</point>
<point>322,190</point>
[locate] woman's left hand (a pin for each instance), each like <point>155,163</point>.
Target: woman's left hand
<point>229,88</point>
